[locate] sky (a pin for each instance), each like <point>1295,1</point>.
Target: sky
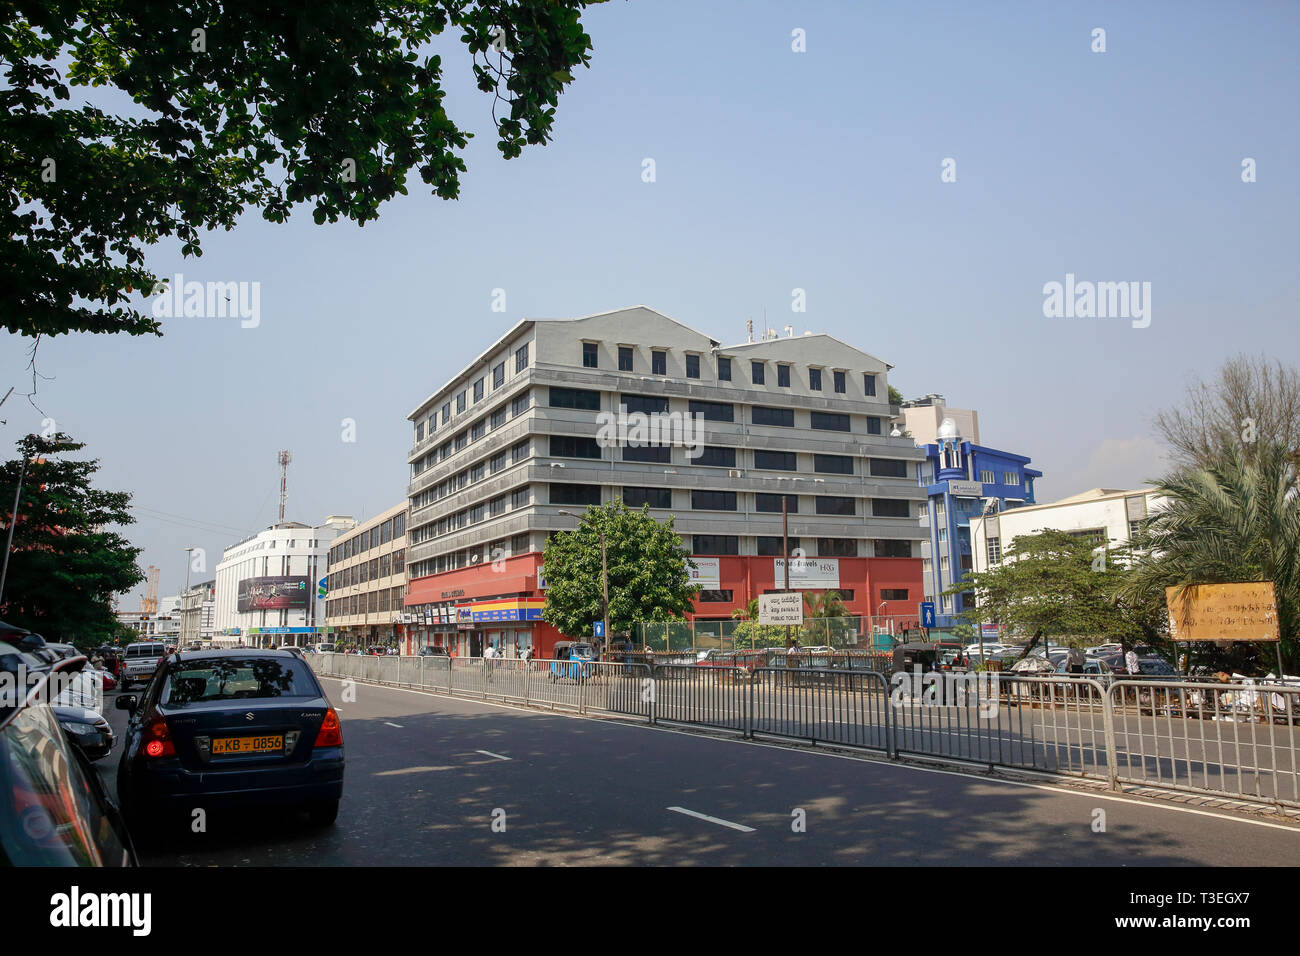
<point>776,170</point>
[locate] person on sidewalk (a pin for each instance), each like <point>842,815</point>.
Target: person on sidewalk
<point>1075,659</point>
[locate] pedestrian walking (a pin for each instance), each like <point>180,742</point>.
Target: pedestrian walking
<point>1131,662</point>
<point>1075,659</point>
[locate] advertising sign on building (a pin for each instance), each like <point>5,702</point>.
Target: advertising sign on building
<point>780,608</point>
<point>1223,612</point>
<point>273,594</point>
<point>809,574</point>
<point>965,489</point>
<point>707,574</point>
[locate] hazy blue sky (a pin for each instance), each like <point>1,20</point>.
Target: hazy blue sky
<point>775,170</point>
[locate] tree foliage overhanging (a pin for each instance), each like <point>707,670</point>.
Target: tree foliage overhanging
<point>648,569</point>
<point>66,563</point>
<point>226,107</point>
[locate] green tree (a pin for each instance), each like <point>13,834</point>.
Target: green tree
<point>230,107</point>
<point>1052,584</point>
<point>895,396</point>
<point>827,610</point>
<point>648,568</point>
<point>1236,519</point>
<point>66,563</point>
<point>750,634</point>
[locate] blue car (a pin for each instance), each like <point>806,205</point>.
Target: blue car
<point>572,661</point>
<point>230,728</point>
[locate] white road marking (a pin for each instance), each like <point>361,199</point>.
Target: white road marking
<point>719,822</point>
<point>391,724</point>
<point>491,754</point>
<point>824,754</point>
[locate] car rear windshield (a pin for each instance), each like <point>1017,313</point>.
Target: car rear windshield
<point>235,678</point>
<point>146,650</point>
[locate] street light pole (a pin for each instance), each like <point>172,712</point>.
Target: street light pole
<point>785,549</point>
<point>185,601</point>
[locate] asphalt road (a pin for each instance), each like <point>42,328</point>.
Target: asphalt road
<point>435,781</point>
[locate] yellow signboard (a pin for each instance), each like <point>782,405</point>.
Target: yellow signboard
<point>1223,612</point>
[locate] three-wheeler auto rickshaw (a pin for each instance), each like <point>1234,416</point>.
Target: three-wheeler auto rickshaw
<point>573,661</point>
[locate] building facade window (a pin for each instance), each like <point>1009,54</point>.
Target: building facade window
<point>873,425</point>
<point>775,460</point>
<point>646,404</point>
<point>783,376</point>
<point>658,362</point>
<point>893,594</point>
<point>521,497</point>
<point>715,456</point>
<point>762,415</point>
<point>714,597</point>
<point>772,503</point>
<point>520,404</point>
<point>692,366</point>
<point>589,355</point>
<point>715,544</point>
<point>713,500</point>
<point>833,464</point>
<point>756,373</point>
<point>724,369</point>
<point>886,548</point>
<point>654,497</point>
<point>575,398</point>
<point>713,411</point>
<point>868,384</point>
<point>562,494</point>
<point>837,547</point>
<point>888,468</point>
<point>574,446</point>
<point>835,505</point>
<point>657,454</point>
<point>773,546</point>
<point>889,508</point>
<point>498,375</point>
<point>841,386</point>
<point>994,550</point>
<point>521,357</point>
<point>625,358</point>
<point>478,390</point>
<point>829,421</point>
<point>815,379</point>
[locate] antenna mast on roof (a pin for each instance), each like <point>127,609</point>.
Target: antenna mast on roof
<point>749,327</point>
<point>283,458</point>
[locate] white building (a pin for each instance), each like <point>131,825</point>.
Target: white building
<point>162,626</point>
<point>198,608</point>
<point>1103,515</point>
<point>270,587</point>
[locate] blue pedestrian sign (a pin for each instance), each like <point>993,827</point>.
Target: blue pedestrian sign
<point>598,629</point>
<point>927,613</point>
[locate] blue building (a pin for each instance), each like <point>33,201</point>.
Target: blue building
<point>963,479</point>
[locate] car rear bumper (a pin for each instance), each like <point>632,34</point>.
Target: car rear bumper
<point>170,786</point>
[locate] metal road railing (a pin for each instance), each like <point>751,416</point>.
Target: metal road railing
<point>1240,740</point>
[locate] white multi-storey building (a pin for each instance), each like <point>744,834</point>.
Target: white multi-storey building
<point>270,587</point>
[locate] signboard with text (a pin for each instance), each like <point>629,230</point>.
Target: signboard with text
<point>809,574</point>
<point>707,574</point>
<point>1223,612</point>
<point>786,608</point>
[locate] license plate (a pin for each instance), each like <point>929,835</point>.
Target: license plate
<point>248,745</point>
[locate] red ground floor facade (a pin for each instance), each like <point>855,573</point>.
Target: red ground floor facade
<point>500,603</point>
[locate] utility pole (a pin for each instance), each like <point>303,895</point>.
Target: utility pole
<point>785,549</point>
<point>185,602</point>
<point>604,588</point>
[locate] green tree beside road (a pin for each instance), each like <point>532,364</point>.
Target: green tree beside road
<point>231,107</point>
<point>66,563</point>
<point>648,569</point>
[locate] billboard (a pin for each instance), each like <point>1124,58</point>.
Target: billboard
<point>273,594</point>
<point>707,573</point>
<point>1223,612</point>
<point>808,574</point>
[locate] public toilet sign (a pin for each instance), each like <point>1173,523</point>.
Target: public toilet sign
<point>1223,612</point>
<point>780,608</point>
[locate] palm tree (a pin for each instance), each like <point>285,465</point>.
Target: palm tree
<point>827,607</point>
<point>1235,519</point>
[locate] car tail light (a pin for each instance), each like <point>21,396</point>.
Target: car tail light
<point>331,734</point>
<point>158,739</point>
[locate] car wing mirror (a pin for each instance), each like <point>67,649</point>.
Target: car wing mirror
<point>126,702</point>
